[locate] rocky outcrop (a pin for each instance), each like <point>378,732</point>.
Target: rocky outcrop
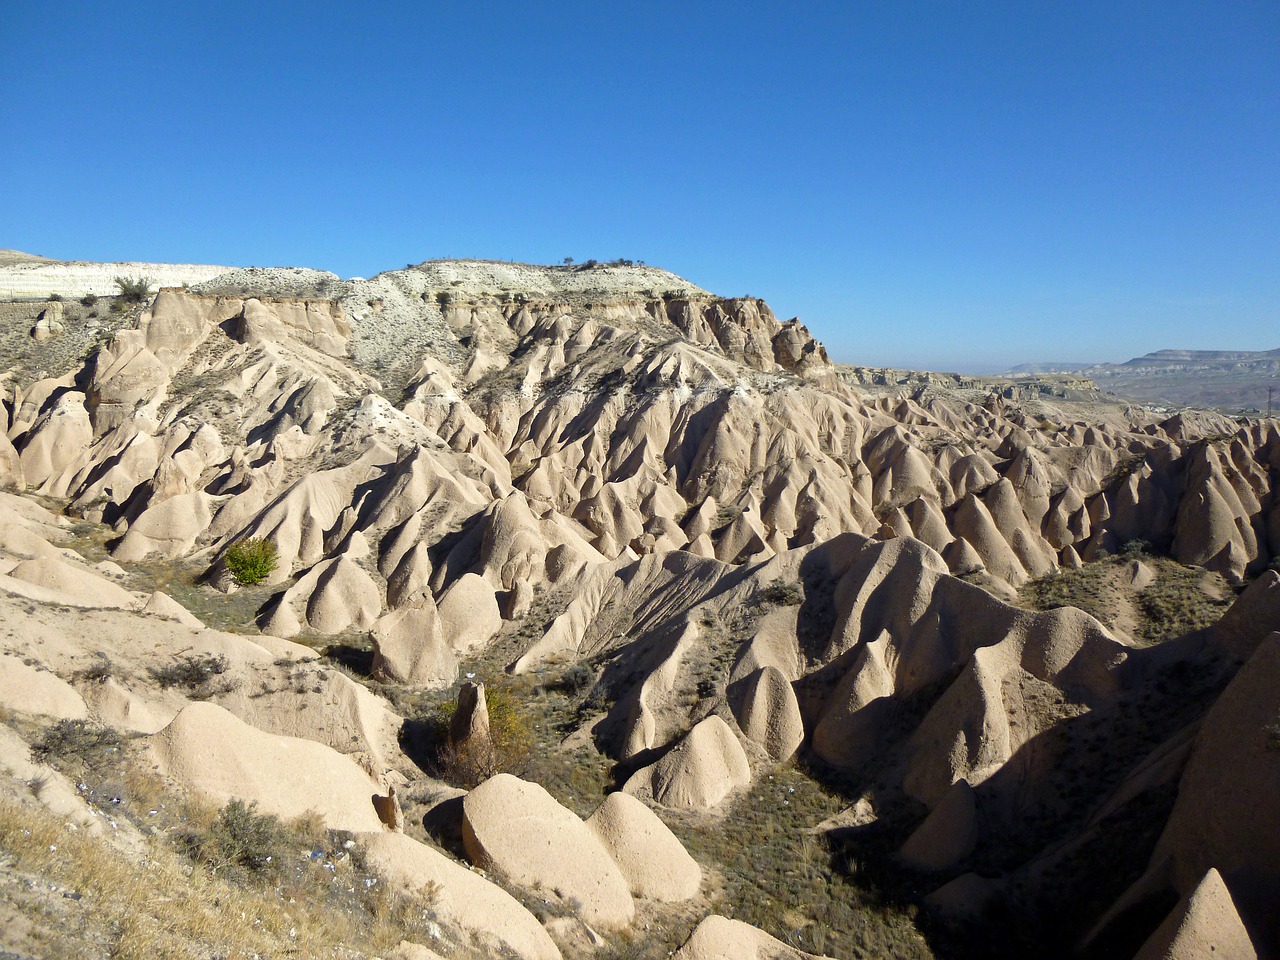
<point>654,863</point>
<point>219,757</point>
<point>517,829</point>
<point>698,772</point>
<point>491,918</point>
<point>719,938</point>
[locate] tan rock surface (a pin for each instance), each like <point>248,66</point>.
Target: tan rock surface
<point>1203,924</point>
<point>719,938</point>
<point>517,829</point>
<point>207,750</point>
<point>698,773</point>
<point>491,917</point>
<point>654,863</point>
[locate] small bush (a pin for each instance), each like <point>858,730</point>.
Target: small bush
<point>100,671</point>
<point>191,671</point>
<point>241,840</point>
<point>783,594</point>
<point>133,289</point>
<point>252,561</point>
<point>1136,548</point>
<point>577,679</point>
<point>89,300</point>
<point>71,740</point>
<point>55,298</point>
<point>509,731</point>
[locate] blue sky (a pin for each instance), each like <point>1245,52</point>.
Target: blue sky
<point>958,185</point>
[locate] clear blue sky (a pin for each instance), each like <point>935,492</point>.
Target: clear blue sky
<point>951,184</point>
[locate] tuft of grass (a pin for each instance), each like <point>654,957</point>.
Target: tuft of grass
<point>251,561</point>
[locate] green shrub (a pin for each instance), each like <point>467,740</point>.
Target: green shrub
<point>241,840</point>
<point>252,561</point>
<point>577,679</point>
<point>88,300</point>
<point>134,289</point>
<point>509,732</point>
<point>782,593</point>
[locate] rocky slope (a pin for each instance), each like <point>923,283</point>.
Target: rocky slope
<point>470,462</point>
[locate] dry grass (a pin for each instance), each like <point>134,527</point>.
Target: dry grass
<point>162,906</point>
<point>1182,599</point>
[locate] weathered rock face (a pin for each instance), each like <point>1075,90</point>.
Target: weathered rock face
<point>518,829</point>
<point>1204,924</point>
<point>752,555</point>
<point>699,772</point>
<point>217,756</point>
<point>719,938</point>
<point>1227,816</point>
<point>652,860</point>
<point>492,918</point>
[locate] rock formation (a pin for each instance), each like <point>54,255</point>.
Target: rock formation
<point>756,555</point>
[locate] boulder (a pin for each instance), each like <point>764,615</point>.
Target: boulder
<point>211,752</point>
<point>719,938</point>
<point>698,773</point>
<point>654,863</point>
<point>491,918</point>
<point>519,830</point>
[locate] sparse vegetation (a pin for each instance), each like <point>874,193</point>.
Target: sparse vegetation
<point>239,840</point>
<point>133,289</point>
<point>75,741</point>
<point>509,730</point>
<point>193,671</point>
<point>251,561</point>
<point>1178,604</point>
<point>783,593</point>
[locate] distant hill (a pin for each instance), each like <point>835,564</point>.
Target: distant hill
<point>1233,381</point>
<point>1048,367</point>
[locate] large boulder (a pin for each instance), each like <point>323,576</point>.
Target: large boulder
<point>699,772</point>
<point>719,938</point>
<point>493,920</point>
<point>1203,924</point>
<point>655,864</point>
<point>518,830</point>
<point>209,751</point>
